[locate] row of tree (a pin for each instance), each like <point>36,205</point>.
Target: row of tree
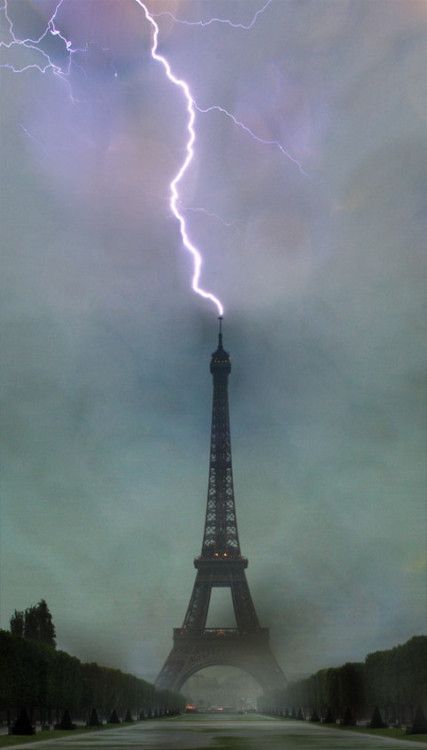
<point>394,680</point>
<point>47,682</point>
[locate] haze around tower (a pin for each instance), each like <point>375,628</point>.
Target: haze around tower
<point>106,395</point>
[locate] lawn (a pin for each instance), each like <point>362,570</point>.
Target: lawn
<point>398,734</point>
<point>9,740</point>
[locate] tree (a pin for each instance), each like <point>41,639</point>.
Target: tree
<point>17,624</point>
<point>419,724</point>
<point>376,720</point>
<point>93,719</point>
<point>351,689</point>
<point>45,623</point>
<point>348,719</point>
<point>65,722</point>
<point>35,624</point>
<point>41,679</point>
<point>22,724</point>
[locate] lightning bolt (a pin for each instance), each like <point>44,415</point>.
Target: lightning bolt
<point>217,107</point>
<point>192,107</point>
<point>246,129</point>
<point>210,214</point>
<point>174,191</point>
<point>46,62</point>
<point>210,21</point>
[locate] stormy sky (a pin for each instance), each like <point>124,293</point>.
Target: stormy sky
<point>105,349</point>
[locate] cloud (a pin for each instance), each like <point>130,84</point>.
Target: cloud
<point>106,399</point>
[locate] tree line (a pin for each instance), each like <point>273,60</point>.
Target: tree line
<point>393,681</point>
<point>47,682</point>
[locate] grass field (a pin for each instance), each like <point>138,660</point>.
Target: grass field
<point>398,734</point>
<point>9,740</point>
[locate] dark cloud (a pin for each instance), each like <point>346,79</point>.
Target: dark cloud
<point>105,349</point>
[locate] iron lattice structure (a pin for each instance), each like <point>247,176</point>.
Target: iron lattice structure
<point>220,564</point>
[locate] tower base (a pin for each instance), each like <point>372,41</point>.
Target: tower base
<point>194,650</point>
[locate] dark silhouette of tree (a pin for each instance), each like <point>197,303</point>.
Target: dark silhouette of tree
<point>419,724</point>
<point>376,720</point>
<point>22,724</point>
<point>128,716</point>
<point>31,624</point>
<point>314,716</point>
<point>35,624</point>
<point>39,625</point>
<point>65,722</point>
<point>393,680</point>
<point>114,718</point>
<point>93,719</point>
<point>46,627</point>
<point>396,678</point>
<point>47,681</point>
<point>348,719</point>
<point>17,624</point>
<point>351,693</point>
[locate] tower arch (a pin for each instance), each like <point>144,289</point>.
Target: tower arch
<point>231,662</point>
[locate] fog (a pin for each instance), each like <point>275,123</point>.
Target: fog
<point>105,349</point>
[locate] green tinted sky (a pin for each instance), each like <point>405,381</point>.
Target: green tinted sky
<point>105,350</point>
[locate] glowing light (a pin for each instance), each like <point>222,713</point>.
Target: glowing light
<point>239,124</point>
<point>210,21</point>
<point>210,214</point>
<point>174,191</point>
<point>217,107</point>
<point>46,63</point>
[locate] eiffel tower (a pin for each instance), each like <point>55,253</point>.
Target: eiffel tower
<point>220,564</point>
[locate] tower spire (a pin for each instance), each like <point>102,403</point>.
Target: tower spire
<point>220,319</point>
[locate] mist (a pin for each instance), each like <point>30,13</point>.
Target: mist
<point>106,393</point>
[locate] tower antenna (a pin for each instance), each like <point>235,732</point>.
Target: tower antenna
<point>220,319</point>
